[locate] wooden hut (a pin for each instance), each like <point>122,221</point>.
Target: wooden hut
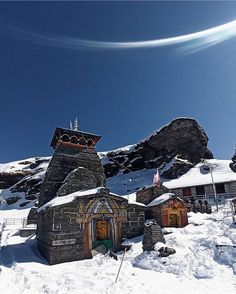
<point>169,211</point>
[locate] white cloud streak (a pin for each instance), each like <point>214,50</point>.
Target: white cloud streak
<point>189,42</point>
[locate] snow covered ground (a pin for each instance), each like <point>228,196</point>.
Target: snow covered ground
<point>197,267</point>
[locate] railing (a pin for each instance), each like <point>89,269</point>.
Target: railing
<point>22,222</point>
<point>221,198</point>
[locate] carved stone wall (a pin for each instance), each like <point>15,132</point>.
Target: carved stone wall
<point>133,227</point>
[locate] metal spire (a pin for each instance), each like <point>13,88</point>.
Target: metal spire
<point>74,126</point>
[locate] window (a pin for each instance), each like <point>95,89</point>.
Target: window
<point>82,141</point>
<point>187,191</point>
<point>220,188</point>
<point>90,143</point>
<point>200,190</point>
<point>74,140</point>
<point>65,138</point>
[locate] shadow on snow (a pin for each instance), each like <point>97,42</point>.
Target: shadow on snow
<point>21,253</point>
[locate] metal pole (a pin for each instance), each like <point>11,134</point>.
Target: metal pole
<point>120,266</point>
<point>232,210</point>
<point>214,187</point>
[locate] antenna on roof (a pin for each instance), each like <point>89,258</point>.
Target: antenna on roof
<point>74,126</point>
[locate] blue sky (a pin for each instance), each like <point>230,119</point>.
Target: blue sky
<point>122,95</point>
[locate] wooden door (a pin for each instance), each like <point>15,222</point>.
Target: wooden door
<point>101,230</point>
<point>173,222</point>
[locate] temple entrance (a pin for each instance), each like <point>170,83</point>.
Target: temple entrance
<point>102,233</point>
<point>101,230</point>
<point>173,220</point>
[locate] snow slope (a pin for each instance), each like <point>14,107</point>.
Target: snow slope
<point>197,267</point>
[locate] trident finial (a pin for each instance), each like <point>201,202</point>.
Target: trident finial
<point>74,126</point>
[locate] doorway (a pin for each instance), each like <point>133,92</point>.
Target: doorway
<point>102,234</point>
<point>173,220</point>
<point>101,230</point>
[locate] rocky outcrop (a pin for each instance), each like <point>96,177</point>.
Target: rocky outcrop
<point>233,163</point>
<point>174,149</point>
<point>22,176</point>
<point>8,179</point>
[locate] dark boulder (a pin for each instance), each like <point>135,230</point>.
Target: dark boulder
<point>166,251</point>
<point>23,204</point>
<point>12,199</point>
<point>233,166</point>
<point>174,149</point>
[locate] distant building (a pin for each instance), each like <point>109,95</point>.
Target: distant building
<point>197,182</point>
<point>169,211</point>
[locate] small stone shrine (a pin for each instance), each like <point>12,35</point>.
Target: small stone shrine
<point>151,235</point>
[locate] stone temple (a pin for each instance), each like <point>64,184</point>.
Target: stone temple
<point>76,210</point>
<point>77,213</point>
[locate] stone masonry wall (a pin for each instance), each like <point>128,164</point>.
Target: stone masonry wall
<point>60,236</point>
<point>63,162</point>
<point>146,195</point>
<point>133,227</point>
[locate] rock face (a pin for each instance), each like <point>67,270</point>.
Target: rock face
<point>174,149</point>
<point>8,179</point>
<point>22,180</point>
<point>233,163</point>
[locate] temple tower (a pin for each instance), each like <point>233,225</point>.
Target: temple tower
<point>74,166</point>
